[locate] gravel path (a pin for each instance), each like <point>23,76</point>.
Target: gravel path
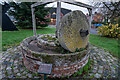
<point>93,31</point>
<point>103,63</point>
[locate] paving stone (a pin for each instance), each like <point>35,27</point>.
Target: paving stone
<point>0,76</point>
<point>101,67</point>
<point>3,75</point>
<point>94,58</point>
<point>108,53</point>
<point>94,71</point>
<point>3,58</point>
<point>113,75</point>
<point>5,63</point>
<point>100,71</point>
<point>94,53</point>
<point>91,74</point>
<point>100,62</point>
<point>95,67</point>
<point>20,66</point>
<point>110,64</point>
<point>9,72</point>
<point>108,60</point>
<point>24,72</point>
<point>111,60</point>
<point>16,71</point>
<point>103,64</point>
<point>8,68</point>
<point>3,71</point>
<point>113,71</point>
<point>11,76</point>
<point>36,77</point>
<point>23,77</point>
<point>103,59</point>
<point>21,69</point>
<point>13,57</point>
<point>18,74</point>
<point>112,68</point>
<point>105,74</point>
<point>97,75</point>
<point>95,64</point>
<point>29,75</point>
<point>114,58</point>
<point>8,59</point>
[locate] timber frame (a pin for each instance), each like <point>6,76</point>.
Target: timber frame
<point>58,10</point>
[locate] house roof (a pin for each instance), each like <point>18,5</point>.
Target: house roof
<point>53,10</point>
<point>63,10</point>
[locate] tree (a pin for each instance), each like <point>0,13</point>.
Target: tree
<point>7,24</point>
<point>109,9</point>
<point>113,10</point>
<point>22,14</point>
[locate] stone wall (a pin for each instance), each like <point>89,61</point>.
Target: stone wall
<point>63,64</point>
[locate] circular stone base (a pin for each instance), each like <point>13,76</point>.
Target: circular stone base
<point>63,64</point>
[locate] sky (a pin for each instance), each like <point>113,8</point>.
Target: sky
<point>71,7</point>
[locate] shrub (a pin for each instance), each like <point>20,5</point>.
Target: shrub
<point>110,30</point>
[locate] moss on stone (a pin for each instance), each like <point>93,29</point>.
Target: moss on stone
<point>47,59</point>
<point>81,49</point>
<point>48,37</point>
<point>84,69</point>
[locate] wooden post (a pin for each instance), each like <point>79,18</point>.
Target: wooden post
<point>33,21</point>
<point>90,17</point>
<point>58,16</point>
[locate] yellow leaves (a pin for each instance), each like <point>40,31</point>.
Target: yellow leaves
<point>110,24</point>
<point>118,35</point>
<point>116,24</point>
<point>109,30</point>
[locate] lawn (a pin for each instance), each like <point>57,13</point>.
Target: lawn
<point>11,38</point>
<point>106,43</point>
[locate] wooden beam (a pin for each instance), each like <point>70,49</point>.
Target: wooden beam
<point>42,2</point>
<point>65,1</point>
<point>33,21</point>
<point>77,3</point>
<point>58,16</point>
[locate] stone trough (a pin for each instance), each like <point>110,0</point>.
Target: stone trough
<point>48,49</point>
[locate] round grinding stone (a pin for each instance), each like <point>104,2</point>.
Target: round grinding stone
<point>73,31</point>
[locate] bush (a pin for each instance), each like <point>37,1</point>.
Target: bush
<point>110,30</point>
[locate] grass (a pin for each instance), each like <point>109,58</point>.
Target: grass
<point>11,38</point>
<point>84,70</point>
<point>106,43</point>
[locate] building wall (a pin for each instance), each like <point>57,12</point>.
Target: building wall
<point>52,15</point>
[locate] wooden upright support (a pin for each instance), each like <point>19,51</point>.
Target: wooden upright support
<point>34,21</point>
<point>58,16</point>
<point>90,16</point>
